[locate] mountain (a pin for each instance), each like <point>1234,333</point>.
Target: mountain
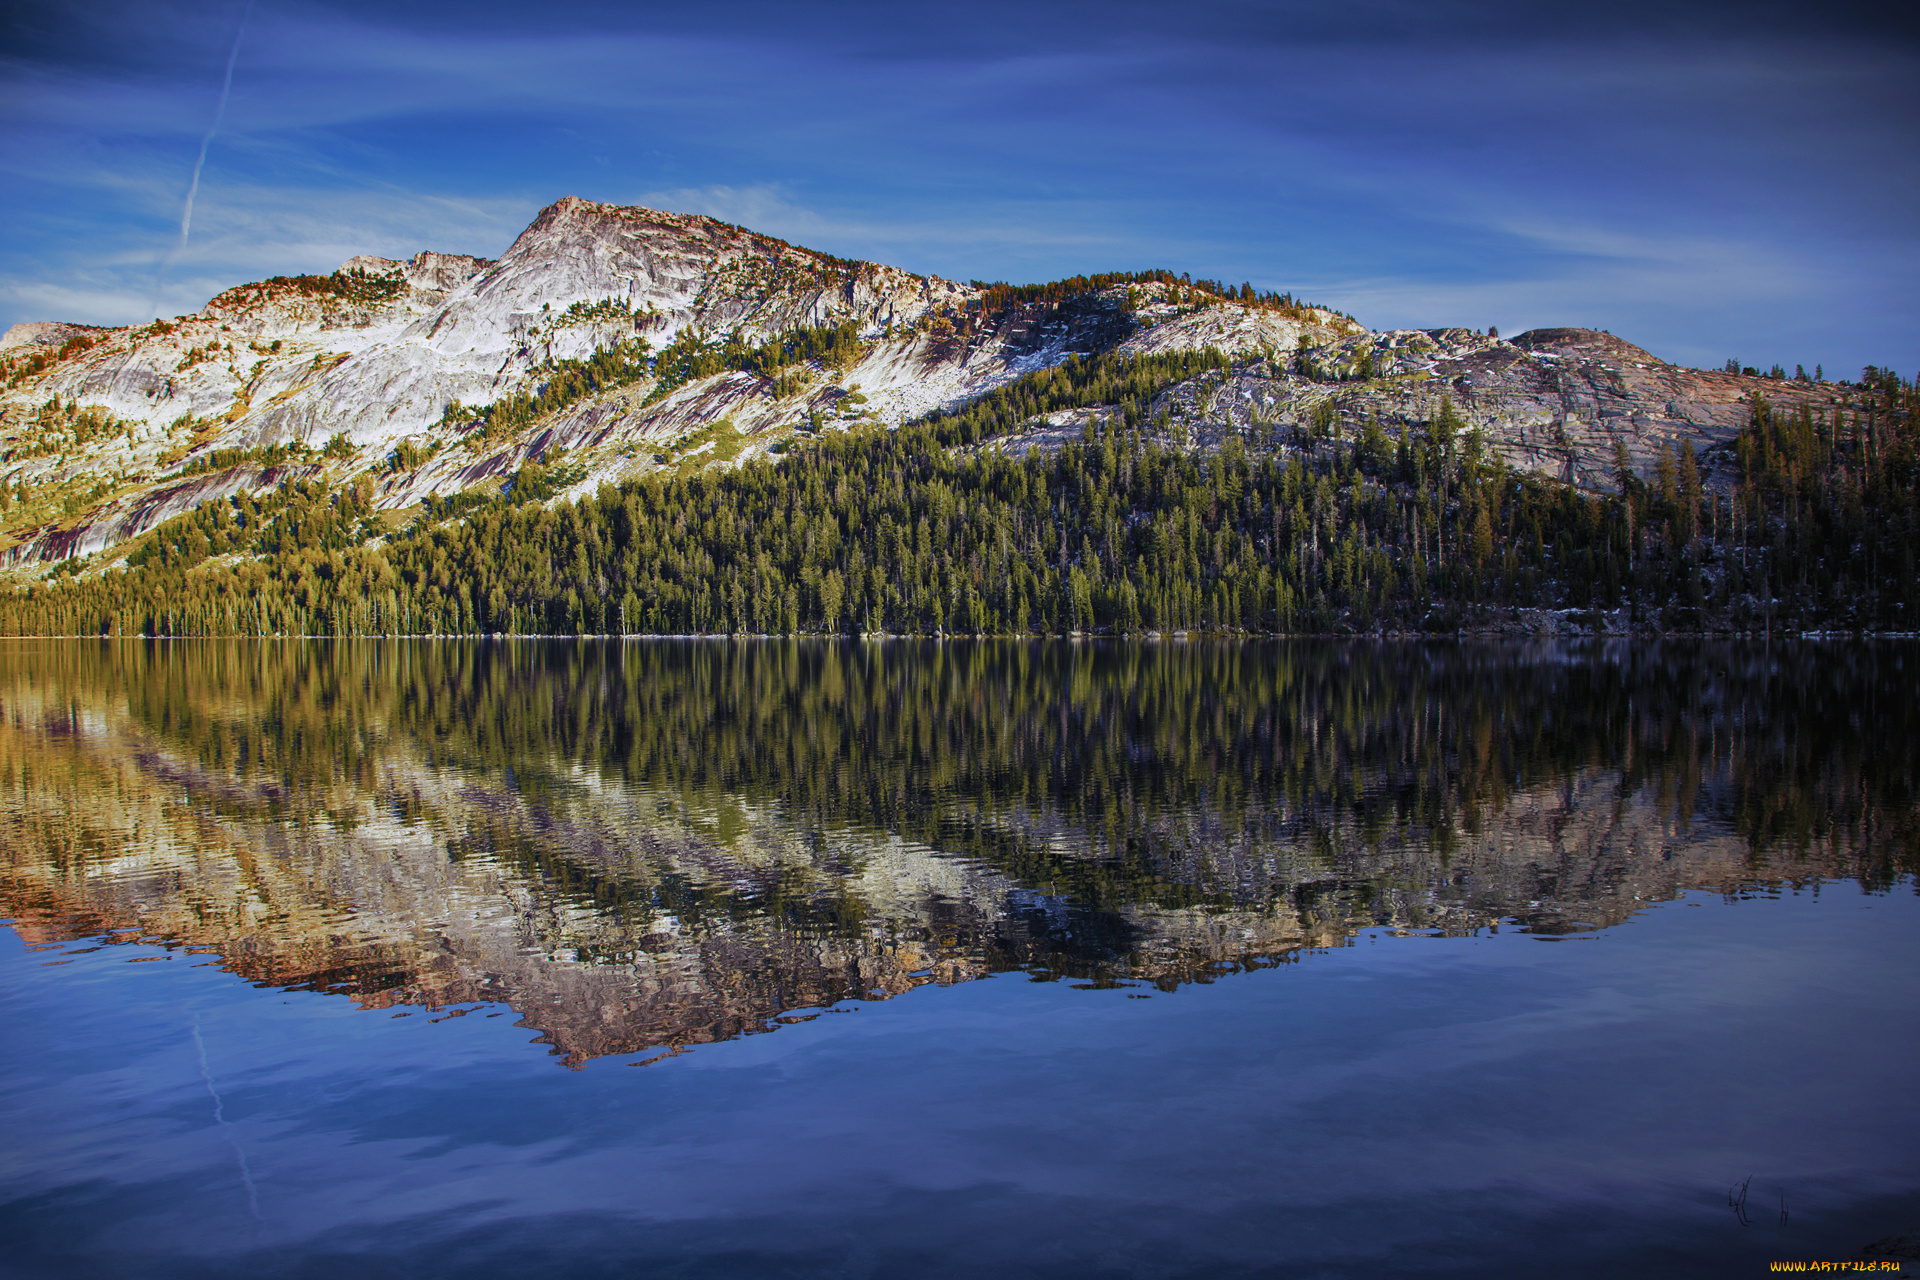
<point>617,335</point>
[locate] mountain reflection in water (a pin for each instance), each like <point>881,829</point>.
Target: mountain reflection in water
<point>640,846</point>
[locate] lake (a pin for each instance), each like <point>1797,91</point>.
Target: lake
<point>951,959</point>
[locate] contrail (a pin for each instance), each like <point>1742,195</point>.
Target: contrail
<point>220,1118</point>
<point>200,161</point>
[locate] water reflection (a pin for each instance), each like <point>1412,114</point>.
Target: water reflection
<point>646,845</point>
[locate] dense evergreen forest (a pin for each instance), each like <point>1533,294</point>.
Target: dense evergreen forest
<point>1329,526</point>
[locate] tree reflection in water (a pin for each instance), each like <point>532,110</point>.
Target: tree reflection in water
<point>645,845</point>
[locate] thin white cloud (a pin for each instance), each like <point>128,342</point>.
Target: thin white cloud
<point>248,233</point>
<point>104,303</point>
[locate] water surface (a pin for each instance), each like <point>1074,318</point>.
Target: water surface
<point>948,959</point>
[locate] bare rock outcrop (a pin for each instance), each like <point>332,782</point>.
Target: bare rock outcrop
<point>43,333</point>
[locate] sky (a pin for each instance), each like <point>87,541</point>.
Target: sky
<point>1711,181</point>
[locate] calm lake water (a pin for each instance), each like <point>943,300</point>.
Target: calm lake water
<point>767,959</point>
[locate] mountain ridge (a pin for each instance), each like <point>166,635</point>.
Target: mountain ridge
<point>360,374</point>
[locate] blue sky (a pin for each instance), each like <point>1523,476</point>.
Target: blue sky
<point>1706,180</point>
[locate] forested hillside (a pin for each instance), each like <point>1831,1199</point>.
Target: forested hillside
<point>644,344</point>
<point>934,527</point>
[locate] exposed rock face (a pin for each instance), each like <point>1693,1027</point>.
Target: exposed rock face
<point>43,333</point>
<point>1550,401</point>
<point>1557,400</point>
<point>144,508</point>
<point>1553,402</point>
<point>377,353</point>
<point>1233,329</point>
<point>432,272</point>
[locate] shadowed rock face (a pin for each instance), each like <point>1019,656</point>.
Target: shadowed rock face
<point>377,355</point>
<point>648,847</point>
